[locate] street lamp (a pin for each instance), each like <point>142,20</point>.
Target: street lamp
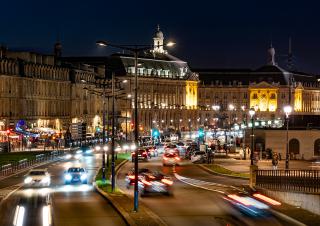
<point>135,49</point>
<point>287,110</point>
<point>252,113</point>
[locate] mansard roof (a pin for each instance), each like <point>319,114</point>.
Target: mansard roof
<point>272,74</point>
<point>163,66</point>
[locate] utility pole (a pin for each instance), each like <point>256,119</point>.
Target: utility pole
<point>113,135</point>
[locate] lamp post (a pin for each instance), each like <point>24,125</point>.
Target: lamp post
<point>231,108</point>
<point>103,94</point>
<point>135,49</point>
<point>190,133</point>
<point>287,110</point>
<point>252,113</point>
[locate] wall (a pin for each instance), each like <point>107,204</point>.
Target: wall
<point>276,140</point>
<point>310,202</point>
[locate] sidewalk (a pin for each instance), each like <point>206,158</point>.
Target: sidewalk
<point>243,166</point>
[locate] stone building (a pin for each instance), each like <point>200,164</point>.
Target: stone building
<point>40,94</point>
<point>45,91</point>
<point>228,94</point>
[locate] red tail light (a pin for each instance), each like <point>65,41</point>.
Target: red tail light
<point>166,181</point>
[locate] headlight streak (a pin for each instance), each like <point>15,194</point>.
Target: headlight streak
<point>68,177</point>
<point>83,177</point>
<point>19,216</point>
<point>46,216</point>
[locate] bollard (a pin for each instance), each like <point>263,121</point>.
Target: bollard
<point>253,176</point>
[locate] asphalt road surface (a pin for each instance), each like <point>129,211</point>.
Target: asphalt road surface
<point>192,205</point>
<point>65,205</point>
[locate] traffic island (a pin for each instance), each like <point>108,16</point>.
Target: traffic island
<point>123,203</point>
<point>221,171</point>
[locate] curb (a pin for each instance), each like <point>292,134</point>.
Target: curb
<point>125,215</point>
<point>220,174</point>
<point>287,218</point>
<point>116,205</point>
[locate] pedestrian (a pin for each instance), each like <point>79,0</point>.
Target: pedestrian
<point>275,159</point>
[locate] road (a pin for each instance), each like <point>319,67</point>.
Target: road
<point>71,205</point>
<point>191,205</point>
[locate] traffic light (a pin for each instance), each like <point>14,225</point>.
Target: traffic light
<point>155,133</point>
<point>201,132</point>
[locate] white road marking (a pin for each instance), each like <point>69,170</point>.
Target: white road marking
<point>207,185</point>
<point>7,191</point>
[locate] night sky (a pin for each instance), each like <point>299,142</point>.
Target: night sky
<point>209,34</point>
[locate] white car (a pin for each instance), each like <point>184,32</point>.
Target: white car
<point>37,177</point>
<point>198,157</point>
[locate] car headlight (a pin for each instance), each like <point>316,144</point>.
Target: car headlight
<point>45,180</point>
<point>78,151</point>
<point>28,180</point>
<point>68,156</point>
<point>89,151</point>
<point>77,156</point>
<point>83,176</point>
<point>67,177</point>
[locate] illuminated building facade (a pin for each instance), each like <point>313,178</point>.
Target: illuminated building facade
<point>49,91</point>
<point>267,89</point>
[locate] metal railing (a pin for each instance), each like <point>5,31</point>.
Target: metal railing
<point>307,181</point>
<point>6,170</point>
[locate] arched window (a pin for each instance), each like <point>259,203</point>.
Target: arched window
<point>316,150</point>
<point>294,147</point>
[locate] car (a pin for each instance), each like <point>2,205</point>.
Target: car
<point>154,182</point>
<point>142,154</point>
<point>160,148</point>
<point>86,150</point>
<point>182,148</point>
<point>199,157</point>
<point>172,148</point>
<point>170,159</point>
<point>76,174</point>
<point>247,204</point>
<point>130,176</point>
<point>37,177</point>
<point>152,151</point>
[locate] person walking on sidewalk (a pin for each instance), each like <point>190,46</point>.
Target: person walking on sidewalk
<point>275,160</point>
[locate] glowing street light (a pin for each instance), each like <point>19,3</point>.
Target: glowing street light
<point>252,113</point>
<point>287,110</point>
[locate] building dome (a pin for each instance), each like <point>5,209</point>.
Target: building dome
<point>158,33</point>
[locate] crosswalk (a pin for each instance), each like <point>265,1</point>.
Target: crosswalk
<point>207,185</point>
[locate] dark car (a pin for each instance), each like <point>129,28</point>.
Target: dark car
<point>76,174</point>
<point>131,176</point>
<point>142,155</point>
<point>154,182</point>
